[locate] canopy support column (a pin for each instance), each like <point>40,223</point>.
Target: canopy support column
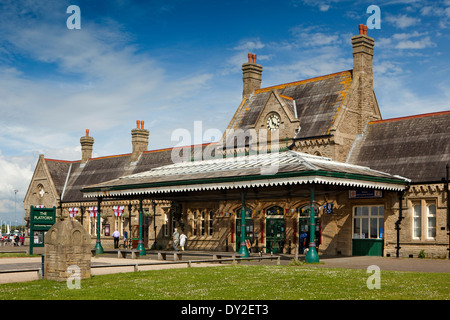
<point>98,246</point>
<point>140,246</point>
<point>243,249</point>
<point>311,255</point>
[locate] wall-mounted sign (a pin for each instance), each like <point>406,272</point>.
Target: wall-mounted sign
<point>365,194</point>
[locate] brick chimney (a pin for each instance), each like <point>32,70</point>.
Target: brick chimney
<point>86,147</point>
<point>363,73</point>
<point>251,76</point>
<point>139,140</point>
<point>363,52</point>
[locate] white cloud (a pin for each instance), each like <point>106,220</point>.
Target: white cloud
<point>419,44</point>
<point>413,40</point>
<point>16,173</point>
<point>402,21</point>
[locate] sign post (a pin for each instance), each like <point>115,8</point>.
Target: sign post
<point>41,220</point>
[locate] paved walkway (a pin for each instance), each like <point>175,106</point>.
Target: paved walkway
<point>394,264</point>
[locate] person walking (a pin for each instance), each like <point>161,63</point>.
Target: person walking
<point>182,241</point>
<point>176,240</point>
<point>116,236</point>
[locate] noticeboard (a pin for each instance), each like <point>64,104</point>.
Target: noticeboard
<point>41,220</point>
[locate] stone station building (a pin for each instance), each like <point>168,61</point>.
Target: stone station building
<point>377,184</point>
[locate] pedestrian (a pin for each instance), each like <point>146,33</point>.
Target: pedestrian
<point>22,239</point>
<point>303,236</point>
<point>116,236</point>
<point>176,239</point>
<point>182,241</point>
<point>125,239</point>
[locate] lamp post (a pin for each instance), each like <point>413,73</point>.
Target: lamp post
<point>15,202</point>
<point>243,249</point>
<point>98,246</point>
<point>312,256</point>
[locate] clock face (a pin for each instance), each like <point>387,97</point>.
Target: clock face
<point>273,122</point>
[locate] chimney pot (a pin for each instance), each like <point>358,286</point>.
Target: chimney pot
<point>249,57</point>
<point>361,29</point>
<point>87,132</point>
<point>254,58</point>
<point>137,124</point>
<point>142,124</point>
<point>365,30</point>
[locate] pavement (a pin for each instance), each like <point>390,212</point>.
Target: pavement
<point>360,262</point>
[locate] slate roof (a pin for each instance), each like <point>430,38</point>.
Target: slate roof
<point>416,147</point>
<point>283,168</point>
<point>70,177</point>
<point>317,102</point>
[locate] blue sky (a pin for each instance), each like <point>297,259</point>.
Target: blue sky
<point>171,63</point>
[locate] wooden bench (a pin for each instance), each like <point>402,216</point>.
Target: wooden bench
<point>177,255</point>
<point>123,253</point>
<point>217,256</point>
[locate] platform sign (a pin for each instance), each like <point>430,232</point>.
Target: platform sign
<point>365,194</point>
<point>41,220</point>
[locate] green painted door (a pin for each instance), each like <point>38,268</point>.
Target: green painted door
<point>367,247</point>
<point>275,235</point>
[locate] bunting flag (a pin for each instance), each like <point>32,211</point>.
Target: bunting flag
<point>92,212</point>
<point>118,210</point>
<point>40,206</point>
<point>73,212</point>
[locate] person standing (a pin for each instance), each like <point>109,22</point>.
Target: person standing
<point>116,236</point>
<point>182,240</point>
<point>176,239</point>
<point>125,239</point>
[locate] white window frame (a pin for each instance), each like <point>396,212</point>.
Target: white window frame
<point>367,213</point>
<point>202,224</point>
<point>417,220</point>
<point>166,225</point>
<point>431,216</point>
<point>194,224</point>
<point>210,223</point>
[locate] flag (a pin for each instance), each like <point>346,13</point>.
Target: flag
<point>118,210</point>
<point>92,212</point>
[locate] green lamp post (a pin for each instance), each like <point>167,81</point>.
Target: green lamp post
<point>311,255</point>
<point>140,246</point>
<point>98,247</point>
<point>243,249</point>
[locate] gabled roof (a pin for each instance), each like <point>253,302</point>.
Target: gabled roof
<point>416,147</point>
<point>71,176</point>
<point>270,169</point>
<point>316,101</point>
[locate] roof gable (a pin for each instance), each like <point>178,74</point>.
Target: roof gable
<point>317,102</point>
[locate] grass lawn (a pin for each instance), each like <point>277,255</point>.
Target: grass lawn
<point>240,282</point>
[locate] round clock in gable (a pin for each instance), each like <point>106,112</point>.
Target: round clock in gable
<point>273,121</point>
